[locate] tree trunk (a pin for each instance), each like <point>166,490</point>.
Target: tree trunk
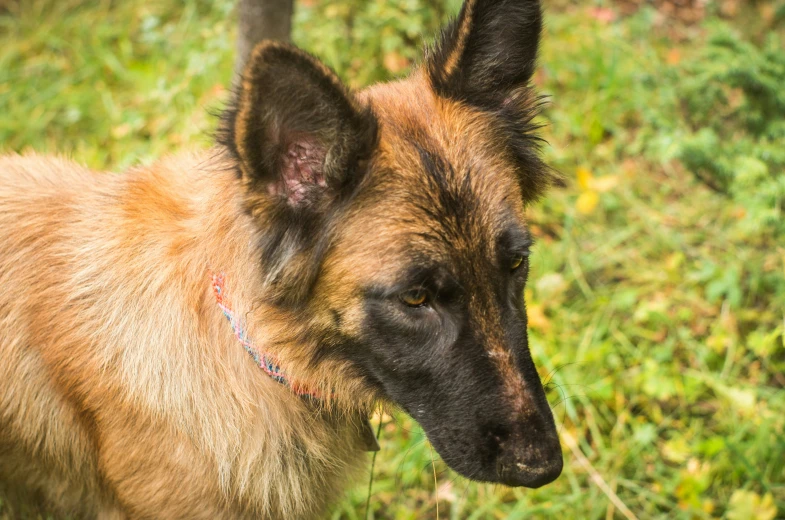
<point>261,20</point>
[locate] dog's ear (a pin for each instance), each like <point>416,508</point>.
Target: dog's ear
<point>488,52</point>
<point>295,130</point>
<point>486,58</point>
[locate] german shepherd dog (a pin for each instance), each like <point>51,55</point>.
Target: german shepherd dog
<point>206,337</point>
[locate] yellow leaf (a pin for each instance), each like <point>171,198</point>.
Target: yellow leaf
<point>121,131</point>
<point>605,184</point>
<point>768,12</point>
<point>584,178</point>
<point>743,400</point>
<point>537,318</point>
<point>674,261</point>
<point>395,62</point>
<point>674,56</point>
<point>676,450</point>
<point>550,289</point>
<point>587,201</point>
<point>748,504</point>
<point>783,274</point>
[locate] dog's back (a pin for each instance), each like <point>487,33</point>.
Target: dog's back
<point>44,446</point>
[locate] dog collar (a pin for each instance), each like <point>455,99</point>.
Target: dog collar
<point>265,361</point>
<point>270,365</point>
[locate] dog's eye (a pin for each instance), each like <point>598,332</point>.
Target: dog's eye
<point>517,261</point>
<point>415,298</point>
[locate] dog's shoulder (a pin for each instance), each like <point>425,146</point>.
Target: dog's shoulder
<point>42,170</point>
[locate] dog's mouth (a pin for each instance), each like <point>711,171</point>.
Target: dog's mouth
<point>525,453</point>
<point>483,427</point>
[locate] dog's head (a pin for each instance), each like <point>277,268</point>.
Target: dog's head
<point>392,221</point>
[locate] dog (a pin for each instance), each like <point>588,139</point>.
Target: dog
<point>206,337</point>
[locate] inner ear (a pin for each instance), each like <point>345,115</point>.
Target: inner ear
<point>301,168</point>
<point>489,51</point>
<point>295,129</point>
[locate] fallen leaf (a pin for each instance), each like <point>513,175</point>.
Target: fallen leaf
<point>605,184</point>
<point>587,202</point>
<point>729,8</point>
<point>395,62</point>
<point>121,131</point>
<point>676,450</point>
<point>739,212</point>
<point>603,14</point>
<point>745,505</point>
<point>550,289</point>
<point>768,13</point>
<point>585,177</point>
<point>217,90</point>
<point>537,318</point>
<point>674,57</point>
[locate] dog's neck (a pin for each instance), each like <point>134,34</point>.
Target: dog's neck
<point>266,361</point>
<point>368,441</point>
<point>231,233</point>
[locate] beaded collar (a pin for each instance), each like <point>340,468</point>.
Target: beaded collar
<point>368,441</point>
<point>265,361</point>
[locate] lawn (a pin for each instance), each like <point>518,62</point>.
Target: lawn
<point>657,293</point>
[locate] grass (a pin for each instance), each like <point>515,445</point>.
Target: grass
<point>656,315</point>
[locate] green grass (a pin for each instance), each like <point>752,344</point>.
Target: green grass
<point>657,314</point>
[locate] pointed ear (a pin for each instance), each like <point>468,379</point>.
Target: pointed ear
<point>486,58</point>
<point>295,130</point>
<point>488,52</point>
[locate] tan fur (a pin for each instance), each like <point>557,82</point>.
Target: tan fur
<point>464,28</point>
<point>122,388</point>
<point>464,137</point>
<point>124,394</point>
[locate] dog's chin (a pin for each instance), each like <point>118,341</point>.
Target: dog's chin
<point>524,464</point>
<point>520,475</point>
<point>514,475</point>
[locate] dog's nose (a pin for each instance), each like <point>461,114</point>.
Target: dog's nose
<point>530,462</point>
